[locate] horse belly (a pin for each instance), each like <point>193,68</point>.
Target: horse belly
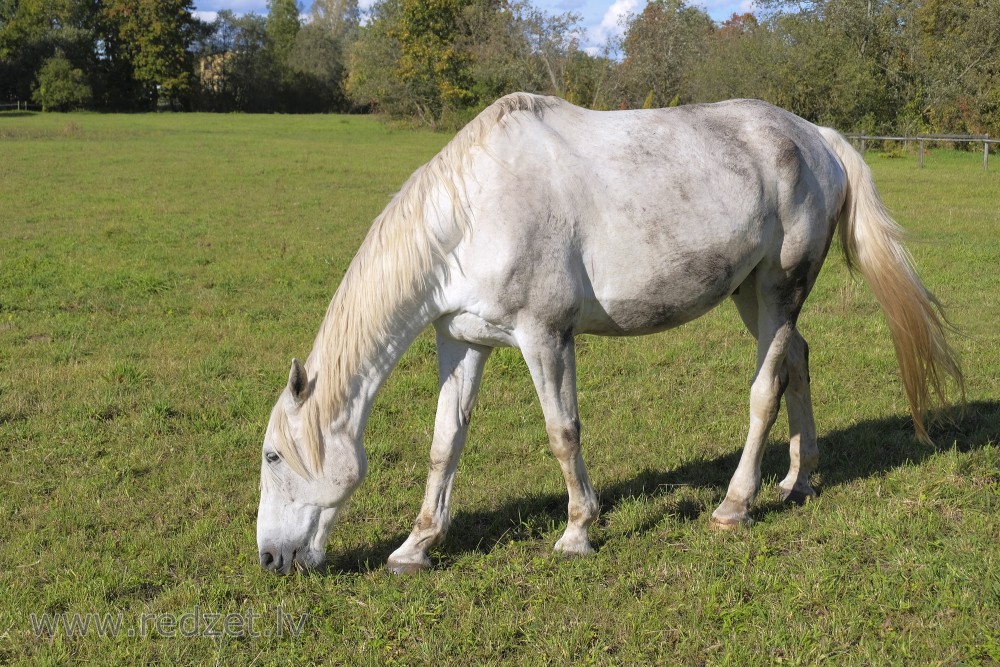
<point>630,302</point>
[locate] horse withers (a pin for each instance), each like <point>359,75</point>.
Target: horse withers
<point>541,220</point>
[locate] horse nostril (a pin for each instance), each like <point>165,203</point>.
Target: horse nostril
<point>267,560</point>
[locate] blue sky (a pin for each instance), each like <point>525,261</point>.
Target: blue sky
<point>600,17</point>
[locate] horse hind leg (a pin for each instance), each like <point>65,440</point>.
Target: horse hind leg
<point>765,399</point>
<point>777,296</point>
<point>803,451</point>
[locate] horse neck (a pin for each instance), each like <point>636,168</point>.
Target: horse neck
<point>386,297</point>
<point>373,374</point>
<point>347,405</point>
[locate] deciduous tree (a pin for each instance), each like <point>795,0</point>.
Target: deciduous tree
<point>662,45</point>
<point>282,27</point>
<point>153,37</point>
<point>34,31</point>
<point>340,18</point>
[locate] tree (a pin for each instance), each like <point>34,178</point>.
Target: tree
<point>589,79</point>
<point>662,46</point>
<point>61,86</point>
<point>152,37</point>
<point>833,89</point>
<point>239,70</point>
<point>738,61</point>
<point>435,69</point>
<point>373,60</point>
<point>34,31</point>
<point>311,57</point>
<point>317,69</point>
<point>320,55</point>
<point>340,18</point>
<point>449,58</point>
<point>519,47</point>
<point>958,53</point>
<point>282,27</point>
<point>836,62</point>
<point>408,61</point>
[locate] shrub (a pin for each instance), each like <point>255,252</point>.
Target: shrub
<point>60,86</point>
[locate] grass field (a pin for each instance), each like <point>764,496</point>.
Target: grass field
<point>157,274</point>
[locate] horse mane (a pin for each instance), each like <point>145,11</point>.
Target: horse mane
<point>396,264</point>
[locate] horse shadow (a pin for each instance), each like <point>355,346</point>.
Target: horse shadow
<point>866,449</point>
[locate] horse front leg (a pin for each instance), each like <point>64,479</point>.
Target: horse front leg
<point>460,370</point>
<point>551,358</point>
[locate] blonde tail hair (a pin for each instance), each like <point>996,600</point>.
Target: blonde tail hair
<point>872,242</point>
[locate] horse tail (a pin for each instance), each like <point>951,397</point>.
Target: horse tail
<point>872,242</point>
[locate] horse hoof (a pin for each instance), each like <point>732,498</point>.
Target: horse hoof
<point>404,569</point>
<point>579,552</point>
<point>724,525</point>
<point>797,496</point>
<point>573,548</point>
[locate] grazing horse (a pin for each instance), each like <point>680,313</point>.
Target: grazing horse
<point>540,221</point>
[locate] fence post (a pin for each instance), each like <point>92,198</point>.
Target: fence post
<point>986,155</point>
<point>921,154</point>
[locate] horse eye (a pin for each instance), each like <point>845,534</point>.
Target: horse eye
<point>272,457</point>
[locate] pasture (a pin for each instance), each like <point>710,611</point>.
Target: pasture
<point>157,274</point>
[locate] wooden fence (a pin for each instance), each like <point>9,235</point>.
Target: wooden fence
<point>20,106</point>
<point>921,139</point>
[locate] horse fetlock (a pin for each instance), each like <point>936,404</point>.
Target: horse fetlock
<point>584,513</point>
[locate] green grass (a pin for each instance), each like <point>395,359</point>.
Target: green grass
<point>158,272</point>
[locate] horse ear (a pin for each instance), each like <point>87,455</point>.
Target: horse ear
<point>298,382</point>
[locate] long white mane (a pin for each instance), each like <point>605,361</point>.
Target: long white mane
<point>395,265</point>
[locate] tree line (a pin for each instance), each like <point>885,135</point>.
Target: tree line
<point>865,65</point>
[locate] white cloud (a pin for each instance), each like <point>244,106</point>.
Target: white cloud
<point>611,23</point>
<point>207,17</point>
<point>599,32</point>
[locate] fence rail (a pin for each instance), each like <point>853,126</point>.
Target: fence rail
<point>921,139</point>
<point>20,106</point>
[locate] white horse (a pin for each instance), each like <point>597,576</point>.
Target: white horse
<point>540,221</point>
